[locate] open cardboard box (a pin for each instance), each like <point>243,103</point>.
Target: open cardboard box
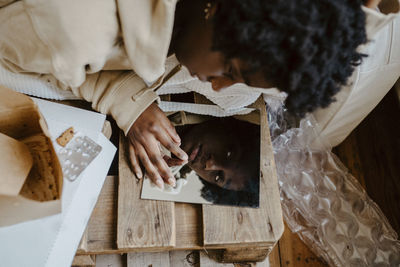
<point>30,173</point>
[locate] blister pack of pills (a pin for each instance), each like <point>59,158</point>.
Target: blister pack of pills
<point>77,155</point>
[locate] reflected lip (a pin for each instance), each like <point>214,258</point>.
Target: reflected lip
<point>195,152</point>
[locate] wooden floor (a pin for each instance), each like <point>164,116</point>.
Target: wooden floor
<point>372,154</point>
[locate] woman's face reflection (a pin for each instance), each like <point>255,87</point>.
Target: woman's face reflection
<point>224,152</point>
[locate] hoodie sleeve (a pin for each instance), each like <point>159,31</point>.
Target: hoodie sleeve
<point>121,94</point>
<point>24,48</point>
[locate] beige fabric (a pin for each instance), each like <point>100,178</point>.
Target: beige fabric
<point>91,48</point>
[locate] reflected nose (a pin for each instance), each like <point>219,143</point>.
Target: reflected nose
<point>211,164</point>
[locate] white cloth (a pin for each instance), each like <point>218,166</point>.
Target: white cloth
<point>370,81</point>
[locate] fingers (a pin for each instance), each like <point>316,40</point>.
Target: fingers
<point>171,146</point>
<point>151,171</point>
<point>134,162</point>
<point>155,157</point>
<point>148,152</point>
<point>165,123</point>
<point>172,132</point>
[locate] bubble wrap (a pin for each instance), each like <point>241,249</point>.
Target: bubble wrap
<point>324,204</point>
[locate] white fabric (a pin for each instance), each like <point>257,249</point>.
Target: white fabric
<point>202,109</point>
<point>32,86</point>
<point>369,83</point>
<point>235,97</point>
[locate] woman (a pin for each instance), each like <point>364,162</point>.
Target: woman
<point>112,53</point>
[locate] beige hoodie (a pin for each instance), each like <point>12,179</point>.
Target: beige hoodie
<point>91,48</point>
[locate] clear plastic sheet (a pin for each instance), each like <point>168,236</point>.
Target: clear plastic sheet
<point>323,203</point>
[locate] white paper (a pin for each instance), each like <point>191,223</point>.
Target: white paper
<point>52,241</point>
<point>187,190</point>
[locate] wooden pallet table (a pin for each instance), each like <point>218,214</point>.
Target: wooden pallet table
<point>122,222</point>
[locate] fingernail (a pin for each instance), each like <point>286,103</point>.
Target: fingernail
<point>172,182</point>
<point>183,156</point>
<point>139,175</point>
<point>160,184</point>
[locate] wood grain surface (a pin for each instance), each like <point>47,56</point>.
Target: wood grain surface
<point>142,224</point>
<point>102,226</point>
<point>84,260</point>
<point>293,252</point>
<point>153,259</point>
<point>188,224</point>
<point>234,226</point>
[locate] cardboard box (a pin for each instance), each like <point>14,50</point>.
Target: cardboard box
<point>30,173</point>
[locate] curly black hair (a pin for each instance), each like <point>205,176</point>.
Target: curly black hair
<point>245,198</point>
<point>306,48</point>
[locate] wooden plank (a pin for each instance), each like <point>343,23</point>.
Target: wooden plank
<point>101,230</point>
<point>275,257</point>
<point>206,261</point>
<point>111,260</point>
<point>294,252</point>
<point>102,225</point>
<point>142,224</point>
<point>82,247</point>
<point>188,221</point>
<point>84,260</point>
<point>243,254</point>
<point>348,153</point>
<point>233,226</point>
<point>153,259</point>
<point>184,258</point>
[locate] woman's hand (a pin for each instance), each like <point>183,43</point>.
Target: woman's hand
<point>149,130</point>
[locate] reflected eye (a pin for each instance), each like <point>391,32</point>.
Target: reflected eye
<point>219,178</point>
<point>228,155</point>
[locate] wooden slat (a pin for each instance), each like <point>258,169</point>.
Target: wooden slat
<point>111,260</point>
<point>275,257</point>
<point>184,258</point>
<point>294,252</point>
<point>153,259</point>
<point>84,260</point>
<point>243,254</point>
<point>233,226</point>
<point>101,230</point>
<point>142,224</point>
<point>206,261</point>
<point>82,247</point>
<point>188,221</point>
<point>102,234</point>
